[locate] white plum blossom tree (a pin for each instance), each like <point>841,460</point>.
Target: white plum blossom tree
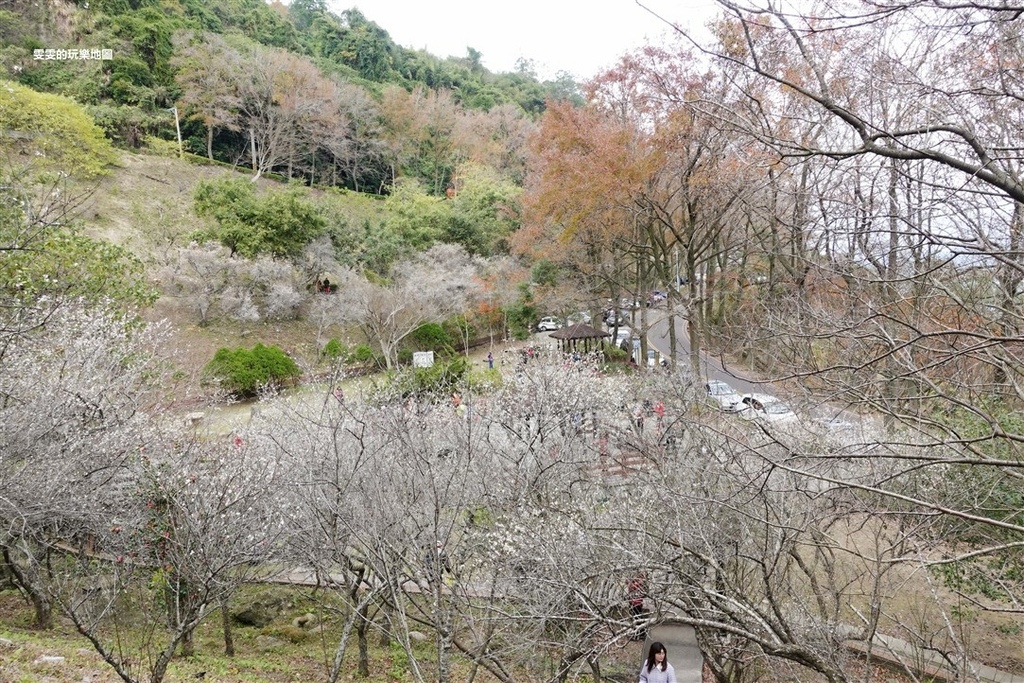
<point>75,391</point>
<point>216,284</point>
<point>428,287</point>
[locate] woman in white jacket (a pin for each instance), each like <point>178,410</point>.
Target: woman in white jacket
<point>657,669</point>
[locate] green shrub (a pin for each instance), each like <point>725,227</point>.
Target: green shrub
<point>521,314</point>
<point>482,380</point>
<point>442,379</point>
<point>363,354</point>
<point>334,349</point>
<point>55,132</point>
<point>278,224</point>
<point>399,661</point>
<point>613,354</point>
<point>431,337</point>
<point>129,127</point>
<point>160,147</point>
<point>243,372</point>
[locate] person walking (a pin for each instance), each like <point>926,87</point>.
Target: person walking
<point>490,360</point>
<point>636,592</point>
<point>657,669</point>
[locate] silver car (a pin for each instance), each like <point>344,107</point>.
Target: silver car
<point>724,395</point>
<point>549,323</point>
<point>765,407</point>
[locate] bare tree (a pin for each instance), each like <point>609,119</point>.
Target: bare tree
<point>278,94</point>
<point>208,87</point>
<point>72,394</point>
<point>215,284</point>
<point>892,214</point>
<point>194,520</point>
<point>429,287</point>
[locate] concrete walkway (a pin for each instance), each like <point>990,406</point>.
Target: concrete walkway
<point>680,648</point>
<point>930,665</point>
<point>681,645</point>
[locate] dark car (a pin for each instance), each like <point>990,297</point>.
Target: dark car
<point>613,317</point>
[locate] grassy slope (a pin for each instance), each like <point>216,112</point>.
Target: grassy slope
<point>145,205</point>
<point>263,655</point>
<point>277,653</point>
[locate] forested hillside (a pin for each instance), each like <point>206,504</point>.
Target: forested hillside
<point>295,95</point>
<point>296,90</point>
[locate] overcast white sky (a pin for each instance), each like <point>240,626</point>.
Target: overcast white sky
<point>579,36</point>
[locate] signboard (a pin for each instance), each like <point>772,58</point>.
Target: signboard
<point>423,359</point>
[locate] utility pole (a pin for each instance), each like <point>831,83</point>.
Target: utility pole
<point>177,127</point>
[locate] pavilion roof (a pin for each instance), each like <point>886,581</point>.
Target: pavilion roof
<point>579,331</point>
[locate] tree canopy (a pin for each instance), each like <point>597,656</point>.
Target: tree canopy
<point>51,133</point>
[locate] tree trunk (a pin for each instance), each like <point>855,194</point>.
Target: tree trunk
<point>694,334</point>
<point>362,623</point>
<point>41,604</point>
<point>673,343</point>
<point>385,631</point>
<point>225,616</point>
<point>442,624</point>
<point>291,156</point>
<point>1009,283</point>
<point>188,645</point>
<point>257,165</point>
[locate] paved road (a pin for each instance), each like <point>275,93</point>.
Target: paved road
<point>743,383</point>
<point>711,367</point>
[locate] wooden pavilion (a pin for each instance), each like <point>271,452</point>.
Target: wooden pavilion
<point>580,337</point>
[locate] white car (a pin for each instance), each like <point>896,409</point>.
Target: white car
<point>549,323</point>
<point>724,395</point>
<point>767,408</point>
<point>581,317</point>
<point>623,334</point>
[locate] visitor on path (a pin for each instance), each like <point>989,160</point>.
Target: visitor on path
<point>490,360</point>
<point>657,669</point>
<point>659,412</point>
<point>637,591</point>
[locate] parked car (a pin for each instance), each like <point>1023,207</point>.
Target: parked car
<point>655,297</point>
<point>723,395</point>
<point>549,323</point>
<point>580,317</point>
<point>624,336</point>
<point>613,317</point>
<point>765,407</point>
